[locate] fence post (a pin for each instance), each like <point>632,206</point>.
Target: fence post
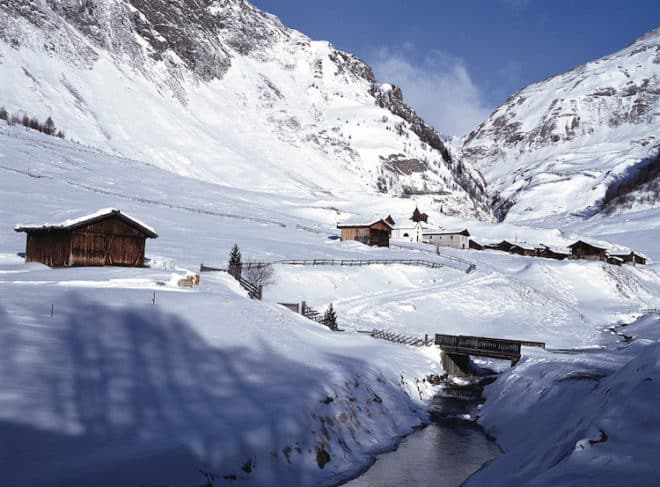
<point>302,307</point>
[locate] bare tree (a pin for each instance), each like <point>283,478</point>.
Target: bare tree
<point>259,274</point>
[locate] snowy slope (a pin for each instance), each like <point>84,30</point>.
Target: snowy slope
<point>572,419</point>
<point>118,390</point>
<point>223,92</point>
<point>555,146</point>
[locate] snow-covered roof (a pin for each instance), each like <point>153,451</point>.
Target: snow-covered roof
<point>524,246</point>
<point>86,219</point>
<point>555,249</point>
<point>362,221</point>
<point>610,248</point>
<point>447,231</point>
<point>407,225</point>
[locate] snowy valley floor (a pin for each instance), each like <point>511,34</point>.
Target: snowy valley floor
<point>116,389</point>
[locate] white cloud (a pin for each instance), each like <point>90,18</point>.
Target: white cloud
<point>439,87</point>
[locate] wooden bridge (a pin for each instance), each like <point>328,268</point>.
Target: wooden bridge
<point>456,350</point>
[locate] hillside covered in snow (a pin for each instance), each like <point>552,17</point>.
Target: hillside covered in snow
<point>221,91</point>
<point>555,147</point>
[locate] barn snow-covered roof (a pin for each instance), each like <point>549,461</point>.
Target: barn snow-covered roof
<point>73,223</point>
<point>362,221</point>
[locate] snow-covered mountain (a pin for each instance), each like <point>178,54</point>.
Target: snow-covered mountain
<point>221,91</point>
<point>554,147</point>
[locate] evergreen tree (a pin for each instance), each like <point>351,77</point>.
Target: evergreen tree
<point>330,318</point>
<point>4,115</point>
<point>49,126</point>
<point>235,263</point>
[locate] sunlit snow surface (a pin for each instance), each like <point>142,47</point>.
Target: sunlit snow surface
<point>116,389</point>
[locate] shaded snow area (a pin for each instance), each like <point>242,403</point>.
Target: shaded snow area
<point>579,418</point>
<point>117,376</point>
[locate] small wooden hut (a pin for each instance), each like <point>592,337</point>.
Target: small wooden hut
<point>588,251</point>
<point>107,237</point>
<point>375,231</point>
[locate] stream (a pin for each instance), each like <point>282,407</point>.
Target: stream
<point>444,453</point>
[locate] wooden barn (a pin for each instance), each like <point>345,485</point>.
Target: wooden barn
<point>588,251</point>
<point>107,237</point>
<point>375,231</point>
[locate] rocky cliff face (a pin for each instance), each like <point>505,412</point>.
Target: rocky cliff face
<point>555,146</point>
<point>221,90</point>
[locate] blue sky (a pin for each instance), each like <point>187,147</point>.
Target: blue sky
<point>458,60</point>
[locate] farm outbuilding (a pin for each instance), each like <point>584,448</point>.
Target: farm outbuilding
<point>588,251</point>
<point>631,257</point>
<point>370,231</point>
<point>107,237</point>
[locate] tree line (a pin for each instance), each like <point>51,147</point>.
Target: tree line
<point>646,178</point>
<point>47,127</point>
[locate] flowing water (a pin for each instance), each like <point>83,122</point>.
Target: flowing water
<point>444,453</point>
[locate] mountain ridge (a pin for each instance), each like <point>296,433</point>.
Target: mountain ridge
<point>223,91</point>
<point>585,127</point>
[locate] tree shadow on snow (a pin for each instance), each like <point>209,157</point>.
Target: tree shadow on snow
<point>111,397</point>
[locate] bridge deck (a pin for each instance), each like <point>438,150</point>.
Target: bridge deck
<point>483,346</point>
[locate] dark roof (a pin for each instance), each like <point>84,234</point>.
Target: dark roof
<point>447,232</point>
<point>575,244</point>
<point>88,219</point>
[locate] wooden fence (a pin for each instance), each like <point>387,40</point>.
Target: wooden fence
<point>314,230</point>
<point>464,262</point>
<point>254,292</point>
<point>399,338</point>
<point>310,313</point>
<point>346,262</point>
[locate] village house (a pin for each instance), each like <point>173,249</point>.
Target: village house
<point>370,231</point>
<point>107,237</point>
<point>588,251</point>
<point>458,239</point>
<point>408,231</point>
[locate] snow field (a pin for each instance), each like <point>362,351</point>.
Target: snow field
<point>118,389</point>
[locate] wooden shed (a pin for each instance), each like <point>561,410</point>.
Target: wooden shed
<point>368,231</point>
<point>107,237</point>
<point>588,251</point>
